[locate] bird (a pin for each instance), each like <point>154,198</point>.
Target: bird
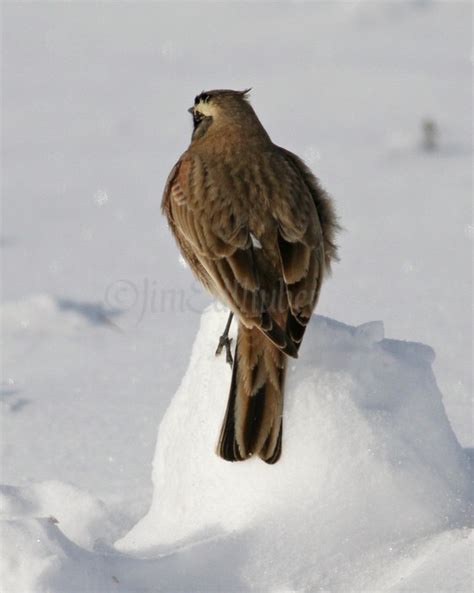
<point>258,231</point>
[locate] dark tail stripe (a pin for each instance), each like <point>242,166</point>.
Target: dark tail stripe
<point>277,451</point>
<point>254,419</point>
<point>227,448</point>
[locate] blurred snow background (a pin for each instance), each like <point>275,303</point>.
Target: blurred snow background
<point>99,317</point>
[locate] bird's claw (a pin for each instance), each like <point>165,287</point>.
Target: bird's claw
<point>225,342</point>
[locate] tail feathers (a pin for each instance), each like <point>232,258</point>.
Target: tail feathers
<point>253,419</point>
<point>271,452</point>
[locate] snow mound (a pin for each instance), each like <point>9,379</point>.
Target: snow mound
<point>441,563</point>
<point>48,561</point>
<point>369,462</point>
<point>53,538</point>
<point>83,518</point>
<point>371,492</point>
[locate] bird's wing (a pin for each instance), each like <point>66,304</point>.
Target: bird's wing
<point>171,195</point>
<point>300,240</point>
<point>208,218</point>
<point>324,206</point>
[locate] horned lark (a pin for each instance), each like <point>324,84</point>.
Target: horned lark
<point>258,231</point>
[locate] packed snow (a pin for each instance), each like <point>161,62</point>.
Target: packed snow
<point>372,477</point>
<point>112,398</point>
<point>366,437</point>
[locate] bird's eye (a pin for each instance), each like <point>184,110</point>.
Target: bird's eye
<point>197,117</point>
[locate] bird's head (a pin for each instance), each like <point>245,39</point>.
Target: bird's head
<point>221,110</point>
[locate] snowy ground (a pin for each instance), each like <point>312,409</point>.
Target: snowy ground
<point>99,318</point>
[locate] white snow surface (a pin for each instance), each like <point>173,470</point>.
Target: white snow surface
<point>371,493</point>
<point>103,330</point>
<point>369,454</point>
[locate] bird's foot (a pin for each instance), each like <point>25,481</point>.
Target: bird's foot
<point>225,342</point>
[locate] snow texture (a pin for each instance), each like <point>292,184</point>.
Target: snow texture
<point>369,462</point>
<point>371,492</point>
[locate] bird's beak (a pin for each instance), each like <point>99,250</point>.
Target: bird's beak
<point>191,110</point>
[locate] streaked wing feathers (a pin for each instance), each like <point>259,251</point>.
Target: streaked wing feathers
<point>214,217</point>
